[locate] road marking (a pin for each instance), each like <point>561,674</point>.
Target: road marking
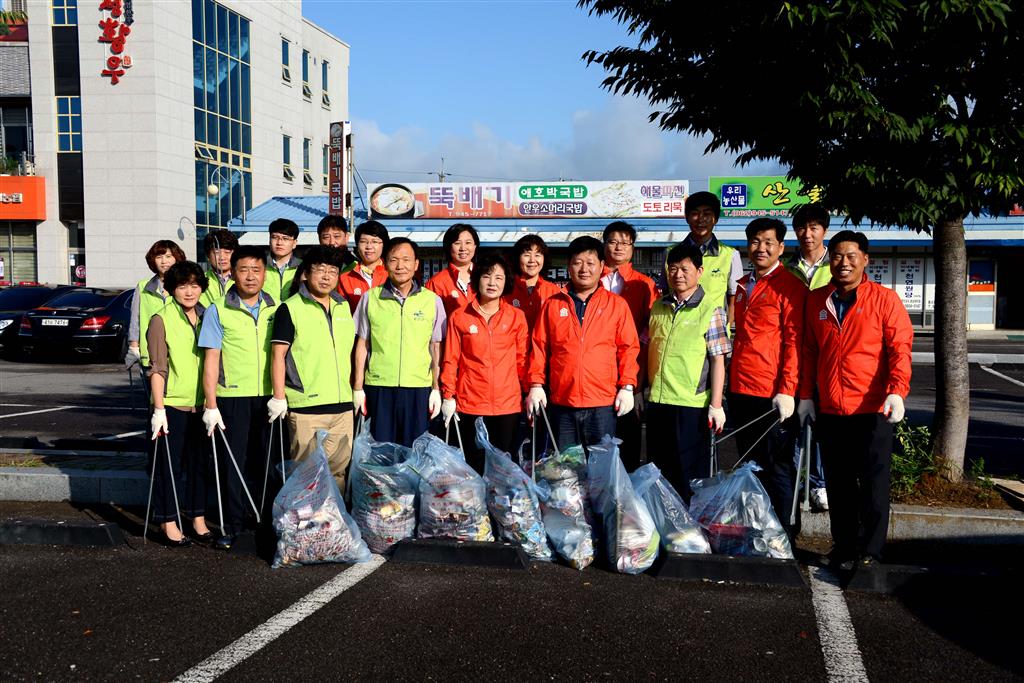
<point>835,629</point>
<point>31,405</point>
<point>1001,375</point>
<point>122,436</point>
<point>35,412</point>
<point>279,624</point>
<point>17,405</point>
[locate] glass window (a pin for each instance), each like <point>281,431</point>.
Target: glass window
<point>284,52</point>
<point>210,25</point>
<point>222,29</point>
<point>246,139</point>
<point>223,94</point>
<point>323,75</point>
<point>211,80</point>
<point>211,130</point>
<point>305,154</point>
<point>246,103</point>
<point>198,78</point>
<point>63,124</point>
<point>63,105</point>
<point>286,155</point>
<point>200,126</point>
<point>197,20</point>
<point>236,137</point>
<point>233,35</point>
<point>65,12</point>
<point>225,132</point>
<point>235,94</point>
<point>69,124</point>
<point>243,39</point>
<point>305,66</point>
<point>327,153</point>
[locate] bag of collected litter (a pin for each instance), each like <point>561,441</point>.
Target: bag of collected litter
<point>737,515</point>
<point>629,532</point>
<point>679,533</point>
<point>383,490</point>
<point>512,498</point>
<point>310,519</point>
<point>452,496</point>
<point>561,481</point>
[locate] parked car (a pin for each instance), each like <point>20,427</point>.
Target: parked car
<point>84,321</point>
<point>14,301</point>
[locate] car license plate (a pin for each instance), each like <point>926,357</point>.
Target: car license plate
<point>55,322</point>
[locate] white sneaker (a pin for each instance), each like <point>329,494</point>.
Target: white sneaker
<point>819,500</point>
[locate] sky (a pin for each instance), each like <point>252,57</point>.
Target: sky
<point>498,88</point>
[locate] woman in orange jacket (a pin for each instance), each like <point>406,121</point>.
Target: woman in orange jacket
<point>452,284</point>
<point>530,290</point>
<point>485,362</point>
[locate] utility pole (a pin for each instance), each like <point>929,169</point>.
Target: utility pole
<point>441,175</point>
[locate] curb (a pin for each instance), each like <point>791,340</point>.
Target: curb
<point>917,523</point>
<point>52,484</point>
<point>460,553</point>
<point>52,532</point>
<point>747,570</point>
<point>928,358</point>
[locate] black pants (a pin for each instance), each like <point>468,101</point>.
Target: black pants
<point>246,430</point>
<point>399,413</point>
<point>856,451</point>
<point>628,428</point>
<point>502,432</point>
<point>774,452</point>
<point>189,459</point>
<point>678,443</point>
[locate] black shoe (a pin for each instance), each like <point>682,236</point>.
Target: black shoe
<point>182,542</point>
<point>839,560</point>
<point>868,562</point>
<point>225,542</point>
<point>203,539</point>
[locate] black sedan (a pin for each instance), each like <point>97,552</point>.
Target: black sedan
<point>14,301</point>
<point>85,322</point>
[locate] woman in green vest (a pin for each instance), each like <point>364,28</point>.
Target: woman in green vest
<point>176,392</point>
<point>150,297</point>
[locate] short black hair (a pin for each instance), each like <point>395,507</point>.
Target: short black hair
<point>698,199</point>
<point>810,213</point>
<point>283,225</point>
<point>182,273</point>
<point>764,224</point>
<point>316,255</point>
<point>523,245</point>
<point>619,226</point>
<point>485,265</point>
<point>453,233</point>
<point>248,251</point>
<point>374,229</point>
<point>331,221</point>
<point>581,245</point>
<point>219,238</point>
<point>684,251</point>
<point>859,238</point>
<point>399,241</point>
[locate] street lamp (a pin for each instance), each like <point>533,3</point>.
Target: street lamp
<point>213,189</point>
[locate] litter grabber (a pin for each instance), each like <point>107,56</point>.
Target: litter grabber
<point>551,432</point>
<point>152,477</point>
<point>803,469</point>
<point>270,444</point>
<point>458,436</point>
<point>241,478</point>
<point>715,440</point>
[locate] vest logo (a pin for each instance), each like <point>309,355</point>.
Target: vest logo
<point>564,313</point>
<point>473,329</point>
<point>739,296</point>
<point>823,315</point>
<point>358,290</point>
<point>515,302</point>
<point>418,315</point>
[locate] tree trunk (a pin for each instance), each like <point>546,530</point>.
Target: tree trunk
<point>952,379</point>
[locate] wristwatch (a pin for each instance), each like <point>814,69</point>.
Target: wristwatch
<point>628,387</point>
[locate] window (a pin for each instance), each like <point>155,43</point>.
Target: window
<point>69,124</point>
<point>327,155</point>
<point>286,157</point>
<point>65,12</point>
<point>307,177</point>
<point>286,72</point>
<point>18,252</point>
<point>306,91</point>
<point>325,98</point>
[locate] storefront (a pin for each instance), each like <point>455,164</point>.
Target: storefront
<point>22,206</point>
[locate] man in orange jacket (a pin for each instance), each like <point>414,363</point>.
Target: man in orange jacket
<point>764,374</point>
<point>585,346</point>
<point>854,377</point>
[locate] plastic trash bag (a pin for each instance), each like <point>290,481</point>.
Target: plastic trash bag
<point>383,490</point>
<point>452,496</point>
<point>512,499</point>
<point>310,519</point>
<point>629,532</point>
<point>737,515</point>
<point>679,532</point>
<point>561,481</point>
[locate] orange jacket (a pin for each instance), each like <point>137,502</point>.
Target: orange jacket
<point>444,285</point>
<point>769,324</point>
<point>584,366</point>
<point>853,367</point>
<point>352,285</point>
<point>484,364</point>
<point>640,293</point>
<point>530,302</point>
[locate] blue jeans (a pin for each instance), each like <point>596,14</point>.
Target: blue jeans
<point>583,426</point>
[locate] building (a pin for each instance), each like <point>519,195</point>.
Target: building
<point>138,106</point>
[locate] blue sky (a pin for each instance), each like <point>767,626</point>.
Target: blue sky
<point>498,88</point>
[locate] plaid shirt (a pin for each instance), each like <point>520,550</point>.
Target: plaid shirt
<point>717,336</point>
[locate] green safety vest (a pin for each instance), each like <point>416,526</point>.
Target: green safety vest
<point>214,290</point>
<point>277,284</point>
<point>677,355</point>
<point>822,276</point>
<point>715,279</point>
<point>400,335</point>
<point>184,386</point>
<point>245,347</point>
<point>150,301</point>
<point>318,364</point>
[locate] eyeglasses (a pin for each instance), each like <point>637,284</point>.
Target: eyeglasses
<point>370,242</point>
<point>330,271</point>
<point>278,237</point>
<point>615,243</point>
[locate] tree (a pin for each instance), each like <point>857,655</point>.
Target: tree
<point>908,114</point>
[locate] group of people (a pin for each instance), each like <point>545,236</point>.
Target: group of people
<point>263,338</point>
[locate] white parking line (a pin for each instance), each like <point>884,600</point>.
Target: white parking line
<point>835,629</point>
<point>35,412</point>
<point>30,405</point>
<point>279,624</point>
<point>122,436</point>
<point>1002,376</point>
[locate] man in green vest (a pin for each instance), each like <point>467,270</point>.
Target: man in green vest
<point>235,337</point>
<point>281,267</point>
<point>332,231</point>
<point>218,245</point>
<point>311,362</point>
<point>686,370</point>
<point>400,326</point>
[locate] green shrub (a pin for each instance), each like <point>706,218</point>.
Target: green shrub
<point>911,458</point>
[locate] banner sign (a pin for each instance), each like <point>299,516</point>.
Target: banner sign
<point>756,196</point>
<point>910,282</point>
<point>880,270</point>
<point>117,19</point>
<point>337,169</point>
<point>584,199</point>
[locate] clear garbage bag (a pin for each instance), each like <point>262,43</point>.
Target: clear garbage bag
<point>631,537</point>
<point>310,519</point>
<point>512,499</point>
<point>734,510</point>
<point>383,490</point>
<point>453,502</point>
<point>679,532</point>
<point>561,481</point>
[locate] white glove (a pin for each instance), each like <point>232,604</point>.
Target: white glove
<point>805,411</point>
<point>784,404</point>
<point>434,403</point>
<point>893,408</point>
<point>133,357</point>
<point>158,423</point>
<point>623,402</point>
<point>535,400</point>
<point>277,408</point>
<point>359,401</point>
<point>212,420</point>
<point>716,419</point>
<point>448,410</point>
